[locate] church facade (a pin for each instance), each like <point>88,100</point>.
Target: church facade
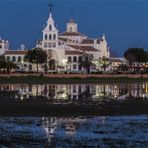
<point>65,50</point>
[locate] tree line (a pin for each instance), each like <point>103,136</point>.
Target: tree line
<point>138,55</point>
<point>38,56</point>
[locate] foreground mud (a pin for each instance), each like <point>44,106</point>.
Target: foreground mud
<point>99,131</point>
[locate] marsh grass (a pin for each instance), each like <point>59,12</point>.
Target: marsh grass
<point>48,80</point>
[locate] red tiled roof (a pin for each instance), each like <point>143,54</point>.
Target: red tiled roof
<point>99,40</point>
<point>19,52</point>
<point>71,34</point>
<point>67,40</point>
<point>83,48</point>
<point>71,52</point>
<point>90,41</point>
<point>63,39</point>
<point>87,41</point>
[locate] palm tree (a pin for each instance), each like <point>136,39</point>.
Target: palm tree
<point>104,63</point>
<point>45,67</point>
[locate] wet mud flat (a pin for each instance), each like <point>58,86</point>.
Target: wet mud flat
<point>130,106</point>
<point>82,131</point>
<point>22,132</point>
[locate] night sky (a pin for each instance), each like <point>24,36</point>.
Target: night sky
<point>125,22</point>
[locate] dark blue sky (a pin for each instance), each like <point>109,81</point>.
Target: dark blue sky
<point>125,22</point>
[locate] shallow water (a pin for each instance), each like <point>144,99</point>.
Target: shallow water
<point>82,131</point>
<point>101,131</point>
<point>71,93</point>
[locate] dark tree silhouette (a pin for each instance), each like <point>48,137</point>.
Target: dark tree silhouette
<point>123,68</point>
<point>9,66</point>
<point>2,63</point>
<point>37,56</point>
<point>6,65</point>
<point>138,55</point>
<point>86,62</point>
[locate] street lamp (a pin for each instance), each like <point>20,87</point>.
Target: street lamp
<point>65,63</point>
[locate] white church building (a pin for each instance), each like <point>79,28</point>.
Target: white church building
<point>65,50</point>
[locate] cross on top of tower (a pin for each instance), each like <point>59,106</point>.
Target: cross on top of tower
<point>71,14</point>
<point>71,18</point>
<point>50,6</point>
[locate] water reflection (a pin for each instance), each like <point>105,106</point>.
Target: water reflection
<point>74,92</point>
<point>101,131</point>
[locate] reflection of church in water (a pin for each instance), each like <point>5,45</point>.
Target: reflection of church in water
<point>75,91</point>
<point>53,126</point>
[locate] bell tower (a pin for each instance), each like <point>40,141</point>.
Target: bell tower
<point>72,26</point>
<point>50,32</point>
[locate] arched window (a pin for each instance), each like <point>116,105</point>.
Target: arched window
<point>19,59</point>
<point>50,27</point>
<point>46,37</point>
<point>70,29</point>
<point>49,45</point>
<point>52,64</point>
<point>80,59</point>
<point>25,65</point>
<point>45,44</point>
<point>74,59</point>
<point>54,44</point>
<point>54,37</point>
<point>25,59</point>
<point>69,59</point>
<point>30,67</point>
<point>50,37</point>
<point>14,59</point>
<point>0,46</point>
<point>8,58</point>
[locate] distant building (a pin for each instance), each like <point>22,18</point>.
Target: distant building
<point>4,46</point>
<point>68,48</point>
<point>115,63</point>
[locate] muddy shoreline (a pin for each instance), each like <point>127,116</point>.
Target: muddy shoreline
<point>70,79</point>
<point>45,109</point>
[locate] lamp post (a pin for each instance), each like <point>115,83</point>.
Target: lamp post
<point>65,63</point>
